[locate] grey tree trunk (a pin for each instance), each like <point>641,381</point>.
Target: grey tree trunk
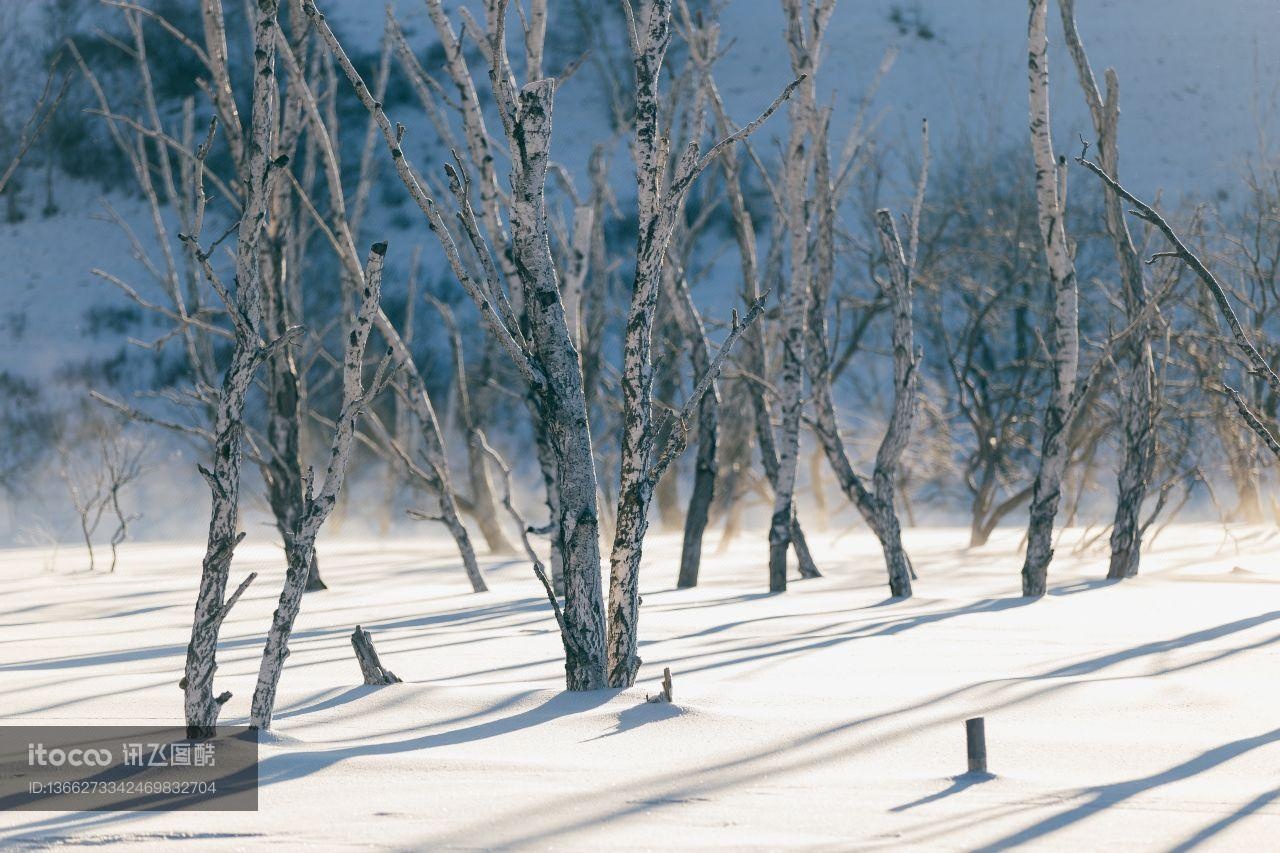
<point>371,668</point>
<point>1137,385</point>
<point>415,391</point>
<point>876,505</point>
<point>704,478</point>
<point>1063,334</point>
<point>754,353</point>
<point>200,705</point>
<point>481,507</point>
<point>300,545</point>
<point>661,194</point>
<point>283,257</point>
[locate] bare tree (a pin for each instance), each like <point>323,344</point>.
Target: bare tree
<point>481,490</point>
<point>661,194</point>
<point>876,504</point>
<point>755,367</point>
<point>338,227</point>
<point>1063,337</point>
<point>480,506</point>
<point>979,311</point>
<point>150,149</point>
<point>1138,372</point>
<point>212,604</point>
<point>300,546</point>
<point>96,490</point>
<point>1254,359</point>
<point>806,25</point>
<point>18,144</point>
<point>545,359</point>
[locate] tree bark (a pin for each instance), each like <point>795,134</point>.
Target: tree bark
<point>1064,333</point>
<point>705,468</point>
<point>806,24</point>
<point>1137,385</point>
<point>661,194</point>
<point>300,545</point>
<point>200,705</point>
<point>876,505</point>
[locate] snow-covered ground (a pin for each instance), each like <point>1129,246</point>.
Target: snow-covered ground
<point>1132,716</point>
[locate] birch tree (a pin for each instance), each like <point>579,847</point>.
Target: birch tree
<point>980,304</point>
<point>806,27</point>
<point>248,352</point>
<point>1178,250</point>
<point>754,355</point>
<point>545,359</point>
<point>338,227</point>
<point>276,450</point>
<point>877,503</point>
<point>661,194</point>
<point>1137,377</point>
<point>1063,338</point>
<point>477,145</point>
<point>300,545</point>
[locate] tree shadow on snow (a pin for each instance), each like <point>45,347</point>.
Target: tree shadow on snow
<point>296,764</point>
<point>1102,797</point>
<point>348,695</point>
<point>819,746</point>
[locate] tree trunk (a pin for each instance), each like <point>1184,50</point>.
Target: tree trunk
<point>1138,373</point>
<point>484,509</point>
<point>804,43</point>
<point>551,491</point>
<point>314,582</point>
<point>200,705</point>
<point>546,360</point>
<point>704,478</point>
<point>1064,334</point>
<point>300,546</point>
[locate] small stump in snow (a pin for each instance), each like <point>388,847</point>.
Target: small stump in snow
<point>665,695</point>
<point>367,656</point>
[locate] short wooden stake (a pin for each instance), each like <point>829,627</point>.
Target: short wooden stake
<point>975,736</point>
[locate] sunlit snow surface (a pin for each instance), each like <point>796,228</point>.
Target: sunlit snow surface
<point>1133,716</point>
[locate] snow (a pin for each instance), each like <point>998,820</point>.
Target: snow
<point>1119,716</point>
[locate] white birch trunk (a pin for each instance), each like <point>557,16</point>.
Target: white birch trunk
<point>877,504</point>
<point>1064,334</point>
<point>805,25</point>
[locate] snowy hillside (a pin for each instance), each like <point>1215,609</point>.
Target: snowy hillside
<point>1198,85</point>
<point>1198,81</point>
